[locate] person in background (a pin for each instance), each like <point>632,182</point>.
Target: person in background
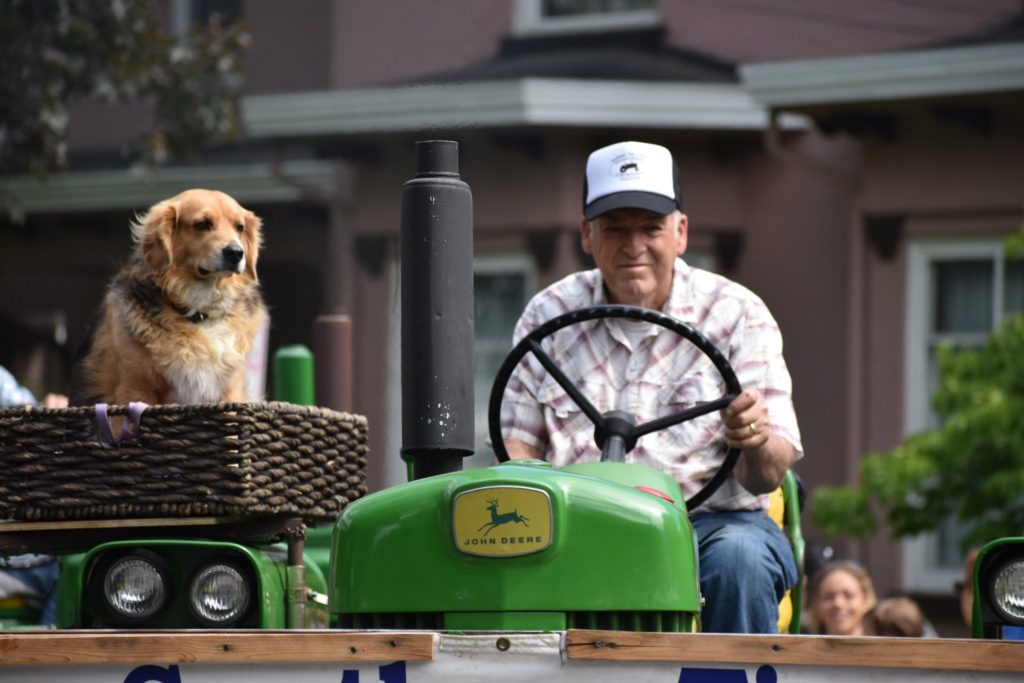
<point>841,595</point>
<point>965,588</point>
<point>32,576</point>
<point>897,617</point>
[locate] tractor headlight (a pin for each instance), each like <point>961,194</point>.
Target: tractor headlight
<point>135,587</point>
<point>1008,591</point>
<point>218,595</point>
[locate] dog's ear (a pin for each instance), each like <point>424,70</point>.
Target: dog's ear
<point>253,237</point>
<point>155,235</point>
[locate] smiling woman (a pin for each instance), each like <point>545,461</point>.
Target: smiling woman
<point>841,595</point>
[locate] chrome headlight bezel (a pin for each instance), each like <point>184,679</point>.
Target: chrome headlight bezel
<point>1005,590</point>
<point>216,576</point>
<point>140,567</point>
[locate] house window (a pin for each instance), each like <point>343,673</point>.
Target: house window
<point>958,292</point>
<point>542,16</point>
<point>501,288</point>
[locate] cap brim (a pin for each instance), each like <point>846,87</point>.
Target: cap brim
<point>649,201</point>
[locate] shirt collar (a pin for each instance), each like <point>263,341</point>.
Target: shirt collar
<point>679,304</point>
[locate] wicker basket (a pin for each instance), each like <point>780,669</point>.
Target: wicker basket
<point>182,461</point>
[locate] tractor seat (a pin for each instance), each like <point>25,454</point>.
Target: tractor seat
<point>784,505</point>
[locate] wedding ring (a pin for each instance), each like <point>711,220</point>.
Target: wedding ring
<point>753,427</point>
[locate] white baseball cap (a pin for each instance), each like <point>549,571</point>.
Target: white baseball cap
<point>635,175</point>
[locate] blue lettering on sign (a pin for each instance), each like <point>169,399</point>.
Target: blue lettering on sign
<point>387,673</point>
<point>150,673</point>
<point>765,674</point>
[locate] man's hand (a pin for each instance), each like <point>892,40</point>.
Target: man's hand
<point>767,456</point>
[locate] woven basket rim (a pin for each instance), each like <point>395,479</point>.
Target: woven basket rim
<point>189,409</point>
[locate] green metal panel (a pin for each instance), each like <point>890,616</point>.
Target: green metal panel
<point>69,590</point>
<point>613,548</point>
<point>317,548</point>
<point>793,528</point>
<point>293,375</point>
<point>630,474</point>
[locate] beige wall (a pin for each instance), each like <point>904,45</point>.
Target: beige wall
<point>800,29</point>
<point>388,41</point>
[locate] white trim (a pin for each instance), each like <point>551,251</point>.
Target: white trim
<point>180,18</point>
<point>919,573</point>
<point>921,254</point>
<point>395,469</point>
<point>95,190</point>
<point>889,76</point>
<point>527,20</point>
<point>518,102</point>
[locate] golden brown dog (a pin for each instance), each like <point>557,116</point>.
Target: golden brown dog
<point>180,318</point>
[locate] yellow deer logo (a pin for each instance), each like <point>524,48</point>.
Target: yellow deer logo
<point>503,518</point>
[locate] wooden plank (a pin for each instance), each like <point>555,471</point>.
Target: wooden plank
<point>899,653</point>
<point>219,647</point>
<point>75,524</point>
<point>59,537</point>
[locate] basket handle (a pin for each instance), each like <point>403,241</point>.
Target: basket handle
<point>131,428</point>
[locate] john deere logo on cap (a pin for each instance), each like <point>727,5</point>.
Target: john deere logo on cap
<point>502,521</point>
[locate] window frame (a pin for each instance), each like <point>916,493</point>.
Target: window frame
<point>920,573</point>
<point>497,264</point>
<point>528,20</point>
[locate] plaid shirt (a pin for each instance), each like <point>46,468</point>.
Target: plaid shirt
<point>662,374</point>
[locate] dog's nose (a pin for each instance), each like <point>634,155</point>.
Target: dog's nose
<point>232,254</point>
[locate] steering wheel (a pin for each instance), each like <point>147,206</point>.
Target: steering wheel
<point>615,432</point>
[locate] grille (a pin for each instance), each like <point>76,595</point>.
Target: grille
<point>427,621</point>
<point>657,622</point>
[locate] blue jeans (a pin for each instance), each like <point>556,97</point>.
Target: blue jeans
<point>41,578</point>
<point>746,566</point>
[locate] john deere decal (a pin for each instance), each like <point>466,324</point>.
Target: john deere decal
<point>502,521</point>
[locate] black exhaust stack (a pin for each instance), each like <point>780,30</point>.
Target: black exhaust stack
<point>437,313</point>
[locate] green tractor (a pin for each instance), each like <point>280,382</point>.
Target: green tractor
<point>521,546</point>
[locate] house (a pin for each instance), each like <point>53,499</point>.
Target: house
<point>939,187</point>
<point>801,181</point>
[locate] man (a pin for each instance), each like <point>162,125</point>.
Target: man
<point>634,228</point>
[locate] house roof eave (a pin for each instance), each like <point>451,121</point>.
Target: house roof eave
<point>504,103</point>
<point>941,72</point>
